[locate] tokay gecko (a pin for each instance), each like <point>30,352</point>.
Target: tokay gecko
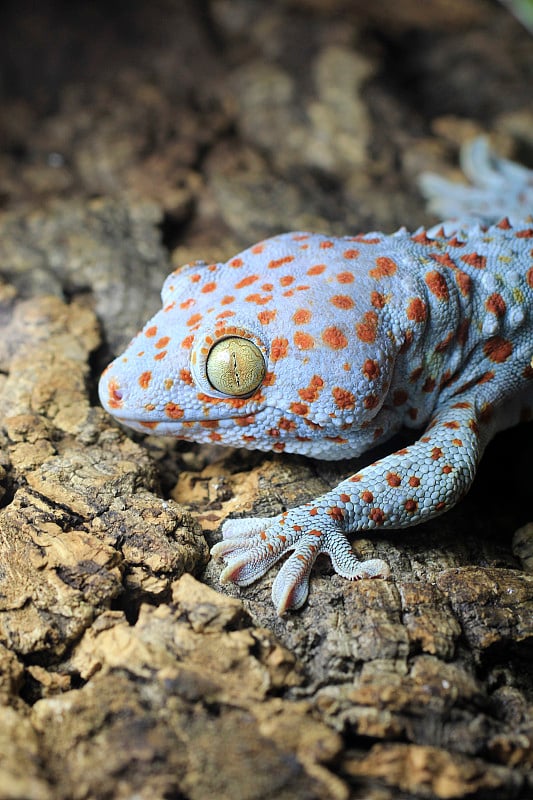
<point>326,346</point>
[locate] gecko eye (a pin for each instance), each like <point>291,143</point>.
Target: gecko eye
<point>235,366</point>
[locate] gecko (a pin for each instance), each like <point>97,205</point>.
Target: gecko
<point>327,346</point>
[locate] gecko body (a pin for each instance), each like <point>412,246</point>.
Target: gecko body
<point>327,346</point>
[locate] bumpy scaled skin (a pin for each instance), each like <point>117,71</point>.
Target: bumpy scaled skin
<point>345,341</point>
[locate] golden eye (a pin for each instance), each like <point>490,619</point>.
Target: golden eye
<point>235,366</point>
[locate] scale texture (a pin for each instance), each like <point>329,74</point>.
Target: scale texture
<point>331,345</point>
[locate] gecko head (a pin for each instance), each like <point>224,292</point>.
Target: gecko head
<point>255,353</point>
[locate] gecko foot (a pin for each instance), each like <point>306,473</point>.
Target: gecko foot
<point>251,546</point>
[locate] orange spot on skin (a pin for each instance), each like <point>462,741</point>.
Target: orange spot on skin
<point>151,331</point>
<point>287,424</point>
<point>169,383</point>
<point>504,224</point>
<point>437,285</point>
<point>187,303</point>
<point>187,342</point>
<point>286,280</point>
<point>236,262</point>
<point>429,384</point>
<point>399,397</point>
<point>464,282</point>
<point>301,409</point>
<point>186,377</point>
<point>301,316</point>
<point>393,479</point>
<point>498,349</point>
<point>209,287</point>
<point>160,356</point>
<point>342,301</point>
<point>336,439</point>
<point>422,238</point>
<point>447,468</point>
<point>260,299</point>
<point>195,278</point>
<point>317,269</point>
<point>410,506</point>
<point>227,300</point>
<point>278,262</point>
<point>265,317</point>
<point>529,277</point>
<point>225,315</point>
<point>367,497</point>
<point>194,320</point>
<point>336,513</point>
<point>385,268</point>
<point>345,498</point>
<point>416,310</point>
<point>345,277</point>
<point>475,260</point>
<point>170,306</point>
<point>452,424</point>
<point>246,281</point>
<point>144,379</point>
<point>162,342</point>
<point>151,425</point>
<point>371,369</point>
<point>173,411</point>
<point>311,392</point>
<point>371,401</point>
<point>343,398</point>
<point>525,234</point>
<point>209,423</point>
<point>455,242</point>
<point>326,245</point>
<point>445,259</point>
<point>377,515</point>
<point>436,453</point>
<point>463,331</point>
<point>351,253</point>
<point>378,300</point>
<point>496,305</point>
<point>414,481</point>
<point>445,343</point>
<point>279,348</point>
<point>303,341</point>
<point>334,338</point>
<point>472,424</point>
<point>367,329</point>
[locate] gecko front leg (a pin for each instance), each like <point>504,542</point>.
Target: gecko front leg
<point>403,489</point>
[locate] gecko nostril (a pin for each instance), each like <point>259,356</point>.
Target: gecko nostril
<point>114,394</point>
